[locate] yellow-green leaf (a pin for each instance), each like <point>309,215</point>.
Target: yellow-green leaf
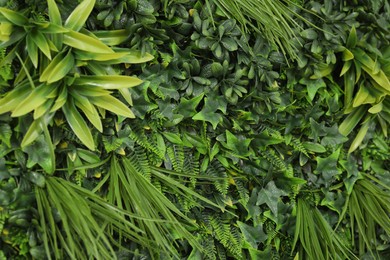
<point>45,107</point>
<point>61,99</point>
<point>41,41</point>
<point>90,91</point>
<point>58,68</point>
<point>14,17</point>
<point>352,38</point>
<point>92,114</point>
<point>346,67</point>
<point>364,58</point>
<point>379,78</point>
<point>86,43</point>
<point>376,108</point>
<point>32,50</point>
<point>363,96</point>
<point>360,136</point>
<point>347,55</point>
<point>131,57</point>
<point>108,81</point>
<point>77,18</point>
<point>113,37</point>
<point>37,97</point>
<point>32,133</point>
<point>78,125</point>
<point>54,12</point>
<point>14,98</point>
<point>85,55</point>
<point>112,104</point>
<point>352,120</point>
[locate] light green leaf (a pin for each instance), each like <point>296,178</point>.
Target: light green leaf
<point>78,125</point>
<point>352,120</point>
<point>58,68</point>
<point>360,136</point>
<point>112,37</point>
<point>112,104</point>
<point>130,57</point>
<point>86,55</point>
<point>54,12</point>
<point>42,43</point>
<point>80,14</point>
<point>36,98</point>
<point>108,81</point>
<point>14,17</point>
<point>32,50</point>
<point>85,43</point>
<point>91,113</point>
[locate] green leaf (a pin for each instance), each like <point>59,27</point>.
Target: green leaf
<point>41,41</point>
<point>360,136</point>
<point>314,147</point>
<point>239,145</point>
<point>36,178</point>
<point>108,81</point>
<point>5,134</point>
<point>80,14</point>
<point>54,12</point>
<point>32,50</point>
<point>309,34</point>
<point>91,113</point>
<point>112,104</point>
<point>85,43</point>
<point>352,38</point>
<point>112,37</point>
<point>253,235</point>
<point>327,166</point>
<point>36,98</point>
<point>270,195</point>
<point>78,125</point>
<point>352,120</point>
<point>58,68</point>
<point>43,157</point>
<point>187,108</point>
<point>14,17</point>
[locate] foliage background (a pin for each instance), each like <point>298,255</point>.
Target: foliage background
<point>247,142</point>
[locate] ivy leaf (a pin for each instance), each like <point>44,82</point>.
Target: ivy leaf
<point>313,86</point>
<point>270,195</point>
<point>238,144</point>
<point>252,235</point>
<point>327,166</point>
<point>187,107</point>
<point>43,158</point>
<point>5,134</point>
<point>208,113</point>
<point>333,137</point>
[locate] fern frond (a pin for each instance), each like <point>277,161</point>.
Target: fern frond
<point>221,183</point>
<point>176,156</point>
<point>140,162</point>
<point>275,160</point>
<point>298,146</point>
<point>137,133</point>
<point>242,191</point>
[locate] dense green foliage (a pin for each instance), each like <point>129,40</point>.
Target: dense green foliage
<point>146,129</point>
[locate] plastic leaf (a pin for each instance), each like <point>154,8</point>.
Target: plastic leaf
<point>78,125</point>
<point>14,17</point>
<point>85,43</point>
<point>112,104</point>
<point>79,16</point>
<point>58,68</point>
<point>108,81</point>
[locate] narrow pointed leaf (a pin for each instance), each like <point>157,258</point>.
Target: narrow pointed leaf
<point>32,50</point>
<point>13,99</point>
<point>14,17</point>
<point>92,114</point>
<point>352,120</point>
<point>85,43</point>
<point>54,12</point>
<point>112,37</point>
<point>112,104</point>
<point>42,43</point>
<point>37,97</point>
<point>78,125</point>
<point>109,81</point>
<point>80,14</point>
<point>359,137</point>
<point>58,68</point>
